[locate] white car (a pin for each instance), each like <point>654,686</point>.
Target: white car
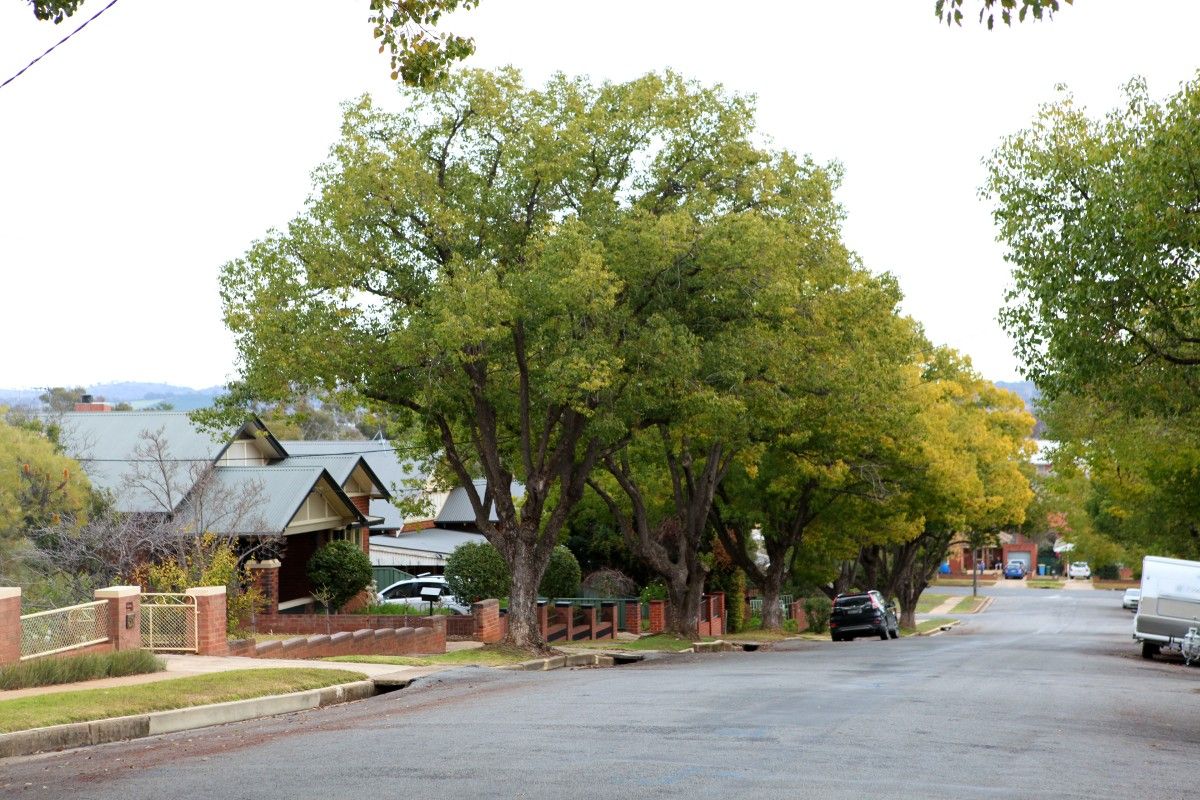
<point>1131,598</point>
<point>1079,569</point>
<point>408,592</point>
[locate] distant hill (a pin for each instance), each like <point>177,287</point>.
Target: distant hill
<point>138,394</point>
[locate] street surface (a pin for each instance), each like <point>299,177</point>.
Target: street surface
<point>1042,695</point>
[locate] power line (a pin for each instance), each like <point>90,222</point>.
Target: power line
<point>51,50</point>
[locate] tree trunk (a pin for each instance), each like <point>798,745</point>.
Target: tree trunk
<point>772,614</point>
<point>908,606</point>
<point>683,615</point>
<point>527,562</point>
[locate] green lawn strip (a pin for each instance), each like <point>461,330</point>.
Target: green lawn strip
<point>1121,585</point>
<point>968,605</point>
<point>926,625</point>
<point>1043,583</point>
<point>963,582</point>
<point>487,656</point>
<point>76,669</point>
<point>929,601</point>
<point>658,641</point>
<point>59,708</point>
<point>758,636</point>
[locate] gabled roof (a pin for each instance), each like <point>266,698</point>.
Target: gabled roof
<point>457,508</point>
<point>283,490</point>
<point>105,444</point>
<point>394,473</point>
<point>340,467</point>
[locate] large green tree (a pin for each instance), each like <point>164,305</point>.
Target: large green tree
<point>507,264</point>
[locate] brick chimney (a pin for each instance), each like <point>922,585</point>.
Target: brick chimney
<point>88,403</point>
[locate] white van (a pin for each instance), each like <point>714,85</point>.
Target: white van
<point>1169,605</point>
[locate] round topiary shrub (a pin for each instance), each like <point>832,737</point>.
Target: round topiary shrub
<point>476,571</point>
<point>562,575</point>
<point>338,572</point>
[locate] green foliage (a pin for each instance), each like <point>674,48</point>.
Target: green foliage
<point>418,609</point>
<point>50,670</point>
<point>950,11</point>
<point>791,626</point>
<point>1107,572</point>
<point>818,609</point>
<point>476,571</point>
<point>39,486</point>
<point>655,590</point>
<point>754,623</point>
<point>211,561</point>
<point>342,570</point>
<point>419,55</point>
<point>736,601</point>
<point>562,575</point>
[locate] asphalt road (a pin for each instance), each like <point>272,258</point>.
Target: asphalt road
<point>1042,695</point>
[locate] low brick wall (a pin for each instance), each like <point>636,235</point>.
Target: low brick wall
<point>366,642</point>
<point>314,624</point>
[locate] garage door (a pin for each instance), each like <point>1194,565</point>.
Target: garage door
<point>1023,556</point>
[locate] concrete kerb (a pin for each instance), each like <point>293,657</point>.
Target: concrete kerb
<point>942,629</point>
<point>82,734</point>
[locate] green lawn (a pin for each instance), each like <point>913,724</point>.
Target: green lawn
<point>487,656</point>
<point>983,581</point>
<point>926,626</point>
<point>1044,583</point>
<point>928,601</point>
<point>59,708</point>
<point>967,605</point>
<point>659,641</point>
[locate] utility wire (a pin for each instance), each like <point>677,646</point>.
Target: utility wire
<point>68,36</point>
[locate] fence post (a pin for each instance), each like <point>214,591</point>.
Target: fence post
<point>210,620</point>
<point>266,580</point>
<point>124,616</point>
<point>10,624</point>
<point>658,616</point>
<point>487,620</point>
<point>633,616</point>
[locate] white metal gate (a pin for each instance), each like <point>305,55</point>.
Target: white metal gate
<point>169,622</point>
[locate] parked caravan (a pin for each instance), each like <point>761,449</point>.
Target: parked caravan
<point>1169,605</point>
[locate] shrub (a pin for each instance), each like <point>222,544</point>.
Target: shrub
<point>476,571</point>
<point>341,570</point>
<point>562,575</point>
<point>608,582</point>
<point>655,590</point>
<point>416,609</point>
<point>737,601</point>
<point>791,626</point>
<point>1108,572</point>
<point>817,609</point>
<point>754,623</point>
<point>50,671</point>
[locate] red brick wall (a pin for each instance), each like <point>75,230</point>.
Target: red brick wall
<point>314,624</point>
<point>210,620</point>
<point>362,502</point>
<point>404,641</point>
<point>658,616</point>
<point>486,618</point>
<point>10,625</point>
<point>799,615</point>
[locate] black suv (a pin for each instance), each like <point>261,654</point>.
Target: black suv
<point>865,614</point>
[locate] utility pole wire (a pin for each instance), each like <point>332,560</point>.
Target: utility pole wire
<point>68,36</point>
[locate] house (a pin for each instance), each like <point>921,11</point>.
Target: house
<point>239,482</point>
<point>423,545</point>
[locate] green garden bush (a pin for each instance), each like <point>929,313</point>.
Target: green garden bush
<point>1108,572</point>
<point>476,571</point>
<point>339,571</point>
<point>737,601</point>
<point>562,575</point>
<point>817,609</point>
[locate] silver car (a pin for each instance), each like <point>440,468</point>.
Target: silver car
<point>408,592</point>
<point>1131,598</point>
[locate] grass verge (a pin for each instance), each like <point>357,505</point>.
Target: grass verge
<point>1044,583</point>
<point>926,625</point>
<point>1099,584</point>
<point>928,601</point>
<point>963,582</point>
<point>50,671</point>
<point>658,641</point>
<point>491,655</point>
<point>968,605</point>
<point>197,690</point>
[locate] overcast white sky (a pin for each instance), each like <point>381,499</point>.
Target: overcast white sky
<point>158,143</point>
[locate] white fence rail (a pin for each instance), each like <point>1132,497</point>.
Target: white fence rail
<point>63,629</point>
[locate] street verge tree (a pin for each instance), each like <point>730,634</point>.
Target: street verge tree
<point>503,264</point>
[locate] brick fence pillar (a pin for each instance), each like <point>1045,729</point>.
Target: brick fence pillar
<point>266,580</point>
<point>633,616</point>
<point>799,615</point>
<point>124,615</point>
<point>658,616</point>
<point>210,620</point>
<point>717,613</point>
<point>487,620</point>
<point>10,625</point>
